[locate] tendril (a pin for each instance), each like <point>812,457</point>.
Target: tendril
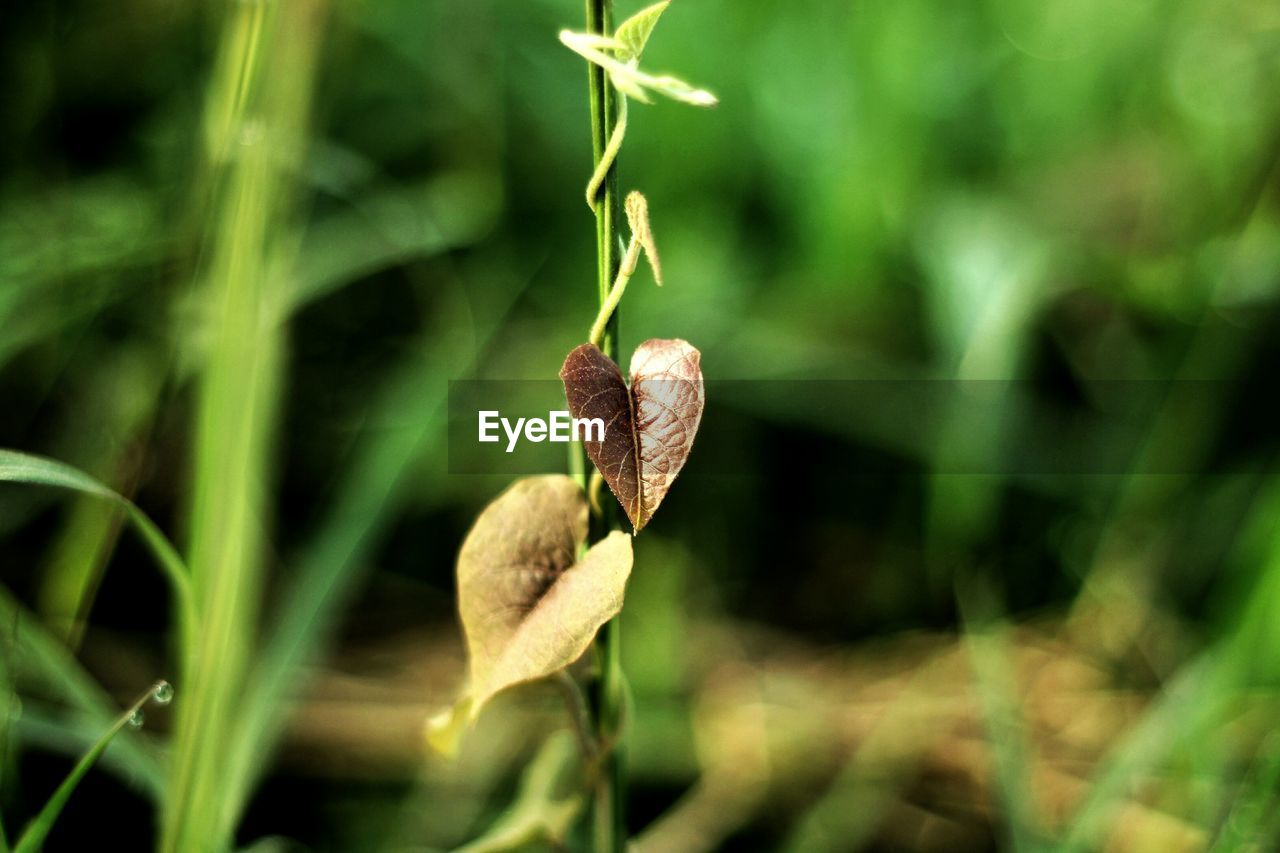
<point>609,155</point>
<point>641,241</point>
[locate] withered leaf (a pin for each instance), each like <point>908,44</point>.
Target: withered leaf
<point>649,427</point>
<point>529,607</point>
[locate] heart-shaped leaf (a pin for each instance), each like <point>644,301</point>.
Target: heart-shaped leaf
<point>648,428</point>
<point>529,606</point>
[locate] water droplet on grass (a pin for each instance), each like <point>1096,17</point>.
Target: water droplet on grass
<point>137,718</point>
<point>163,693</point>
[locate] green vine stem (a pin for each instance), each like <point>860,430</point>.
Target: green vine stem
<point>609,819</point>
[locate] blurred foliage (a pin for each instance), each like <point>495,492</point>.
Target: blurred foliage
<point>1058,192</point>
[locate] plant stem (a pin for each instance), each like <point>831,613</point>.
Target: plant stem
<point>610,794</point>
<point>604,118</point>
<point>611,790</point>
<point>610,304</point>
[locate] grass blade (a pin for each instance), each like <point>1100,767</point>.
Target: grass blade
<point>32,839</point>
<point>8,696</point>
<point>16,467</point>
<point>990,656</point>
<point>258,116</point>
<point>38,655</point>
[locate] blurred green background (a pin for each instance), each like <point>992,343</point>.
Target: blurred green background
<point>245,246</point>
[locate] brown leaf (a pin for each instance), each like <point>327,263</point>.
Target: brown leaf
<point>649,427</point>
<point>528,606</point>
<point>594,388</point>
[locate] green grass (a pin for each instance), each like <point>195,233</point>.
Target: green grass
<point>37,831</point>
<point>258,115</point>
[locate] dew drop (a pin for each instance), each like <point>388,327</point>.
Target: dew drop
<point>163,693</point>
<point>137,718</point>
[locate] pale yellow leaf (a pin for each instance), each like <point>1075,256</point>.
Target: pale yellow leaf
<point>528,607</point>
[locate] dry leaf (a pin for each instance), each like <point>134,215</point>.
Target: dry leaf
<point>649,427</point>
<point>529,608</point>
